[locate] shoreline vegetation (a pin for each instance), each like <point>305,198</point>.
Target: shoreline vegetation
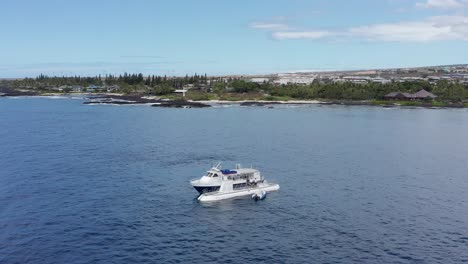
<point>202,91</point>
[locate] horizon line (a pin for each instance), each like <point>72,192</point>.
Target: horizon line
<point>251,74</point>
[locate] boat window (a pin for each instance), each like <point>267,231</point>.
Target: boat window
<point>216,175</point>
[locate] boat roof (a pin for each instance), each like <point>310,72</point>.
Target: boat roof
<point>248,170</point>
<point>233,171</point>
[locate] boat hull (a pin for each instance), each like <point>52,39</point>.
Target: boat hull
<point>217,196</point>
<point>205,189</point>
<point>205,185</point>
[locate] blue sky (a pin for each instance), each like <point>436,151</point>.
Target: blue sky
<point>227,37</point>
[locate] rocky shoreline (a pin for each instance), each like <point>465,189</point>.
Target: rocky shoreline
<point>386,104</point>
<point>116,99</point>
<point>389,104</point>
<point>153,101</point>
<point>181,104</point>
<point>7,91</point>
<point>112,99</point>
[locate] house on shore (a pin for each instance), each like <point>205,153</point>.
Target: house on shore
<point>398,96</point>
<point>181,91</point>
<point>76,88</point>
<point>112,88</point>
<point>421,95</point>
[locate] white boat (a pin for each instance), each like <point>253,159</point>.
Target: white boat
<point>220,184</point>
<point>259,195</point>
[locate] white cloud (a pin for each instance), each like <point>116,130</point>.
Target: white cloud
<point>300,34</point>
<point>443,4</point>
<point>432,29</point>
<point>281,30</point>
<point>269,26</point>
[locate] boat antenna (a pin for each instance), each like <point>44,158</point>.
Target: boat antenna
<point>219,164</point>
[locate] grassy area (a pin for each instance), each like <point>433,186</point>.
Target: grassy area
<point>172,97</point>
<point>200,96</point>
<point>203,96</point>
<point>415,103</point>
<point>277,98</point>
<point>381,103</point>
<point>411,103</point>
<point>395,103</point>
<point>439,104</point>
<point>241,96</point>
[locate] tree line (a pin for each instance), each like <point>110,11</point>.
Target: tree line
<point>125,79</point>
<point>445,90</point>
<point>155,80</point>
<point>160,85</point>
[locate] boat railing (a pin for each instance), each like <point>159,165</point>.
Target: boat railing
<point>240,176</point>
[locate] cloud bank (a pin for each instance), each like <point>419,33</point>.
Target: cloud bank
<point>447,27</point>
<point>300,34</point>
<point>443,4</point>
<point>434,28</point>
<point>431,29</point>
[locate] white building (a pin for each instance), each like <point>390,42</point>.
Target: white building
<point>294,79</point>
<point>259,80</point>
<point>182,91</point>
<point>380,80</point>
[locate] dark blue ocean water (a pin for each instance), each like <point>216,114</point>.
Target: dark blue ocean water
<point>110,184</point>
